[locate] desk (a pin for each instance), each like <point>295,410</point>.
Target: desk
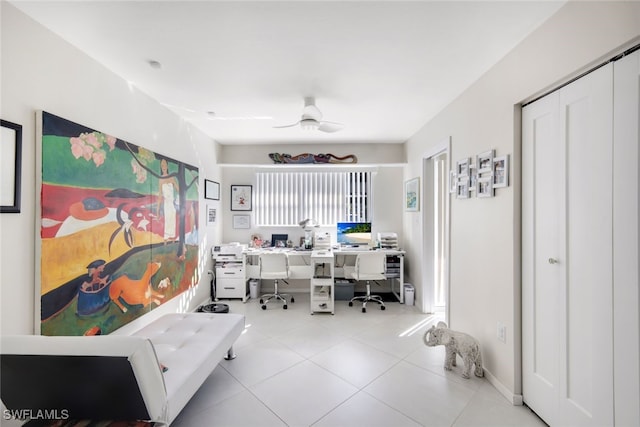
<point>300,266</point>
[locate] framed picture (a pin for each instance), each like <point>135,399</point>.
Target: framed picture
<point>211,190</point>
<point>501,171</point>
<point>10,166</point>
<point>484,187</point>
<point>412,195</point>
<point>241,221</point>
<point>473,177</point>
<point>462,168</point>
<point>452,181</point>
<point>241,197</point>
<point>211,215</point>
<point>484,162</point>
<point>462,189</point>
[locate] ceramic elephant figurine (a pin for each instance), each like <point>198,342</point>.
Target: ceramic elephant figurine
<point>456,343</point>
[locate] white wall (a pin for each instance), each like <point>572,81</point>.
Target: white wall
<point>485,239</point>
<point>40,71</point>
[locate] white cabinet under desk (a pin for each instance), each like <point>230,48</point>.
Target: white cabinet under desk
<point>231,280</point>
<point>322,282</point>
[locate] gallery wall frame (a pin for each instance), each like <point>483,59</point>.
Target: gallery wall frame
<point>412,195</point>
<point>10,166</point>
<point>241,221</point>
<point>211,215</point>
<point>501,171</point>
<point>241,197</point>
<point>211,190</point>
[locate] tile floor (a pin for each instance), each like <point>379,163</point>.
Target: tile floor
<point>348,369</point>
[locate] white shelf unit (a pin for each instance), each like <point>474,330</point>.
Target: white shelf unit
<point>322,286</point>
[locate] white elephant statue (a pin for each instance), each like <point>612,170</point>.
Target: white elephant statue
<point>456,343</point>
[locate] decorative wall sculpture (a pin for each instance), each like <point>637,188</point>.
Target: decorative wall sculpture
<point>312,158</point>
<point>119,229</point>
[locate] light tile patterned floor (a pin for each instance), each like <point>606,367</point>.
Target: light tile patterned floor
<point>348,369</point>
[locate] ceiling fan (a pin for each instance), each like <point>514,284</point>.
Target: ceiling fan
<point>312,119</point>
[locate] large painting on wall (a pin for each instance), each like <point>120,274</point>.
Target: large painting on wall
<point>118,229</point>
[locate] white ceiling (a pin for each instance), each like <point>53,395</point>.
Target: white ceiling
<point>383,69</point>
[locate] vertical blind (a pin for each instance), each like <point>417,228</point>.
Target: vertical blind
<point>286,198</point>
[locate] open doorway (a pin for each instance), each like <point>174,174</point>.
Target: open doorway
<point>435,230</point>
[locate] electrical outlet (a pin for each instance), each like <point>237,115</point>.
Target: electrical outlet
<point>501,332</point>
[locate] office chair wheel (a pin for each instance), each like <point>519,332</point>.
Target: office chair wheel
<point>382,307</point>
<point>284,307</point>
<point>350,304</point>
<point>292,300</point>
<point>264,307</point>
<point>364,310</point>
<point>261,301</point>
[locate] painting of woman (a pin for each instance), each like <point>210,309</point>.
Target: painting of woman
<point>168,187</point>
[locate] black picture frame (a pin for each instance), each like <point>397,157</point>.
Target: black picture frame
<point>11,168</point>
<point>211,190</point>
<point>241,197</point>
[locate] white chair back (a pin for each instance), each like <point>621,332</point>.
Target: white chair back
<point>274,265</point>
<point>370,266</point>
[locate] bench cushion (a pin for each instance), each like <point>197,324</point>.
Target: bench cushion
<point>190,345</point>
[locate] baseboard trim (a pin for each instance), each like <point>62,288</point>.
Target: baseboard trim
<point>515,399</point>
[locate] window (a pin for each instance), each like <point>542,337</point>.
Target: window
<point>286,198</point>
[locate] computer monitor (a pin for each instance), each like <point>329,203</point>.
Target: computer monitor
<point>354,233</point>
<point>279,240</point>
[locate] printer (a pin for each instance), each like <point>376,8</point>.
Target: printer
<point>228,252</point>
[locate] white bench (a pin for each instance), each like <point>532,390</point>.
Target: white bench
<point>116,377</point>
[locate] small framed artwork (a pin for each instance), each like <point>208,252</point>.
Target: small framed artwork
<point>462,167</point>
<point>10,166</point>
<point>241,197</point>
<point>241,221</point>
<point>462,189</point>
<point>484,161</point>
<point>211,215</point>
<point>211,190</point>
<point>452,181</point>
<point>412,195</point>
<point>473,177</point>
<point>501,171</point>
<point>484,187</point>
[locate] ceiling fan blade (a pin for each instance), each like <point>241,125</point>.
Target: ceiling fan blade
<point>330,127</point>
<point>312,112</point>
<point>287,126</point>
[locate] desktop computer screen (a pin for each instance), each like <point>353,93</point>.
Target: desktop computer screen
<point>354,233</point>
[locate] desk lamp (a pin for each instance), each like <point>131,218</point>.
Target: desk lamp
<point>306,225</point>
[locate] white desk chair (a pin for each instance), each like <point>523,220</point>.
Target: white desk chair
<point>274,266</point>
<point>369,266</point>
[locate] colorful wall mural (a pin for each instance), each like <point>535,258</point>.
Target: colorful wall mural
<point>119,229</point>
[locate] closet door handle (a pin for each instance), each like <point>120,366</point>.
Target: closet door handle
<point>553,261</point>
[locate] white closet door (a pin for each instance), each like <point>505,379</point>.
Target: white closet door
<point>567,253</point>
<point>543,173</point>
<point>626,203</point>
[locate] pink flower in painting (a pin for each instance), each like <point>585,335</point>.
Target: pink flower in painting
<point>111,142</point>
<point>89,146</point>
<point>76,147</point>
<point>92,139</point>
<point>87,152</point>
<point>98,157</point>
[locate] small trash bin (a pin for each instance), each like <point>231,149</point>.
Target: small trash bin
<point>409,294</point>
<point>254,288</point>
<point>343,290</point>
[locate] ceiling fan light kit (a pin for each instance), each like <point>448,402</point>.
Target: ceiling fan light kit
<point>311,119</point>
